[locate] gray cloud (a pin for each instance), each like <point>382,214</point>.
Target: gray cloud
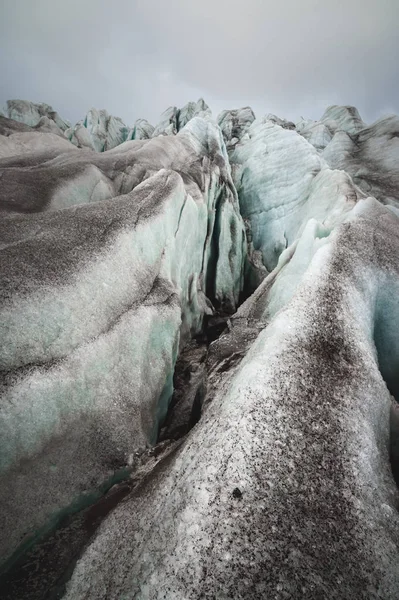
<point>136,57</point>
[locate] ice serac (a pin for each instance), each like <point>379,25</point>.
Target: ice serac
<point>191,110</point>
<point>141,130</point>
<point>103,131</point>
<point>33,114</point>
<point>284,488</point>
<point>318,134</point>
<point>335,120</point>
<point>368,153</point>
<point>234,123</point>
<point>371,156</point>
<point>278,121</point>
<point>282,182</point>
<point>109,262</point>
<point>342,118</point>
<point>168,123</point>
<point>174,119</point>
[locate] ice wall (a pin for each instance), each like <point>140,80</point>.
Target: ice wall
<point>105,262</point>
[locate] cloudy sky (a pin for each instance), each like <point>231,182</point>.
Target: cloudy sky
<point>137,57</point>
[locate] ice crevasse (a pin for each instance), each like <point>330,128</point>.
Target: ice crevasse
<point>117,245</point>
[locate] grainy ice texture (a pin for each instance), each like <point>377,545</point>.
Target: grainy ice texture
<point>369,153</point>
<point>108,263</point>
<point>111,260</point>
<point>282,182</point>
<point>283,489</point>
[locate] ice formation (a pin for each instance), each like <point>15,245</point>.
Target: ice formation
<point>106,265</point>
<point>120,248</point>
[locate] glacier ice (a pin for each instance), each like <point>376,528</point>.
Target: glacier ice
<point>174,119</point>
<point>191,110</point>
<point>342,118</point>
<point>32,114</point>
<point>234,124</point>
<point>105,272</point>
<point>371,157</point>
<point>99,131</point>
<point>282,182</point>
<point>301,430</point>
<point>168,123</point>
<point>318,134</point>
<point>141,130</point>
<point>118,246</point>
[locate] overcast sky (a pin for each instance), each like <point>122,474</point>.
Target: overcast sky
<point>137,57</point>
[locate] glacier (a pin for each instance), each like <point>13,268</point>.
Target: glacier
<point>218,299</point>
<point>105,262</point>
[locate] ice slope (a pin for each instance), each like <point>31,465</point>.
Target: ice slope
<point>142,130</point>
<point>371,157</point>
<point>283,489</point>
<point>108,262</point>
<point>174,119</point>
<point>369,153</point>
<point>18,139</point>
<point>282,182</point>
<point>191,110</point>
<point>318,134</point>
<point>342,118</point>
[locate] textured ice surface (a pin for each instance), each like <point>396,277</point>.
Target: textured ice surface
<point>18,143</point>
<point>318,134</point>
<point>168,122</point>
<point>100,131</point>
<point>103,131</point>
<point>282,122</point>
<point>174,119</point>
<point>301,432</point>
<point>342,118</point>
<point>32,114</point>
<point>371,156</point>
<point>107,264</point>
<point>191,110</point>
<point>109,261</point>
<point>282,182</point>
<point>234,124</point>
<point>142,130</point>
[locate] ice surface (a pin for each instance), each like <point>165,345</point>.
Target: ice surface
<point>31,114</point>
<point>174,119</point>
<point>168,123</point>
<point>110,260</point>
<point>371,157</point>
<point>282,122</point>
<point>282,182</point>
<point>301,430</point>
<point>343,118</point>
<point>142,130</point>
<point>191,110</point>
<point>107,263</point>
<point>234,124</point>
<point>317,134</point>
